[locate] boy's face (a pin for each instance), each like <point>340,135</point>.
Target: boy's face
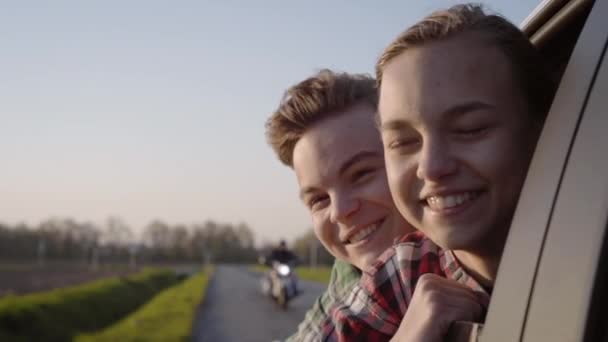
<point>339,164</point>
<point>457,141</point>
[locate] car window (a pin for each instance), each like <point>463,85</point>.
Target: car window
<point>597,329</point>
<point>561,296</point>
<point>517,276</point>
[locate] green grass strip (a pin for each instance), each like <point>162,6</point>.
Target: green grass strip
<point>320,274</point>
<point>167,317</point>
<point>259,268</point>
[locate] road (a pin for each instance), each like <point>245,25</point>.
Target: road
<point>235,310</point>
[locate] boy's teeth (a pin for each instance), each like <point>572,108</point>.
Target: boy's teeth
<point>450,201</point>
<point>363,233</point>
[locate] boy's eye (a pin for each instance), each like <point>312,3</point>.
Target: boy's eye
<point>400,144</point>
<point>317,202</point>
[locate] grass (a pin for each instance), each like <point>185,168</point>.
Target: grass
<point>167,317</point>
<point>60,314</point>
<point>320,274</point>
<point>259,268</point>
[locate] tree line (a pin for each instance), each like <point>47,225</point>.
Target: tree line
<point>65,239</point>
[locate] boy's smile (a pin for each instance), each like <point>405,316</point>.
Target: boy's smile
<point>339,163</point>
<point>361,234</point>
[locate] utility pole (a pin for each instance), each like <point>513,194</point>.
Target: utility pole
<point>313,252</point>
<point>95,258</point>
<point>206,255</point>
<point>133,255</point>
<point>41,252</point>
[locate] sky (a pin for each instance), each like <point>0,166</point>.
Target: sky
<point>156,109</point>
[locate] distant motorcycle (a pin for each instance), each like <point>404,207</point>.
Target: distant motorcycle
<point>280,283</point>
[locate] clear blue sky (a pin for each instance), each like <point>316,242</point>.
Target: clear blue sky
<point>156,109</point>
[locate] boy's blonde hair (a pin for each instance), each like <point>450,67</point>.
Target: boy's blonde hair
<point>312,100</point>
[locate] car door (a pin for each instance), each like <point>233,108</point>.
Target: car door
<point>551,262</point>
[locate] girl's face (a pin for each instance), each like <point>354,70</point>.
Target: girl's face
<point>457,141</point>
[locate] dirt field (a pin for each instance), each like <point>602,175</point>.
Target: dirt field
<point>27,278</point>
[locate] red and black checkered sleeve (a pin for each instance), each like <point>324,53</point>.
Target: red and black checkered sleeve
<point>374,309</point>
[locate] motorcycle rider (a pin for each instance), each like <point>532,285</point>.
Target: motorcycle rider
<point>281,254</point>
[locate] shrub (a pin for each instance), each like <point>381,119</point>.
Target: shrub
<point>167,317</point>
<point>60,314</point>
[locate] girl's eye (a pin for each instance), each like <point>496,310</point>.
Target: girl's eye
<point>361,174</point>
<point>471,132</point>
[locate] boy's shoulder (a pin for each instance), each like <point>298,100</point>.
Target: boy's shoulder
<point>344,271</point>
<point>343,277</point>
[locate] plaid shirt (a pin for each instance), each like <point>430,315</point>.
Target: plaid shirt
<point>375,307</point>
<point>343,277</point>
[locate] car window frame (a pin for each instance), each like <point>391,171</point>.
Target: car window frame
<point>515,284</point>
<point>568,265</point>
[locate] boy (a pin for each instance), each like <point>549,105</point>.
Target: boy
<point>324,130</point>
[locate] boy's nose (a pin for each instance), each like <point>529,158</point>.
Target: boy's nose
<point>343,206</point>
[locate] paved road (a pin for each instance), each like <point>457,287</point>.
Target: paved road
<point>235,310</point>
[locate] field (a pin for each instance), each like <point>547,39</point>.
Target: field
<point>320,274</point>
<point>23,278</point>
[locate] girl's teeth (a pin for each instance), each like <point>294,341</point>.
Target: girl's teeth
<point>450,201</point>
